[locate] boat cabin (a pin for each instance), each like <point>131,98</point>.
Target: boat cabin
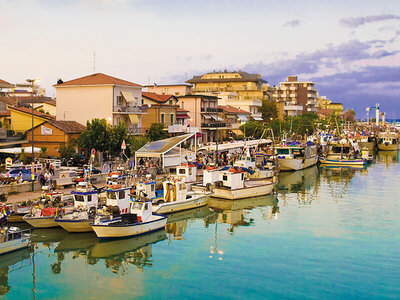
<point>388,140</point>
<point>210,175</point>
<point>233,180</point>
<point>85,196</point>
<point>246,162</point>
<point>142,210</point>
<point>187,172</point>
<point>174,191</point>
<point>147,190</point>
<point>118,197</point>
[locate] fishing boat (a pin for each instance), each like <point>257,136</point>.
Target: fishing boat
<point>232,185</point>
<point>140,220</point>
<point>42,218</point>
<point>174,196</point>
<point>388,141</point>
<point>296,156</point>
<point>13,239</point>
<point>367,141</point>
<point>18,212</point>
<point>343,153</point>
<point>86,200</point>
<point>263,165</point>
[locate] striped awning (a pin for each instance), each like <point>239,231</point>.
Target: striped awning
<point>134,119</point>
<point>128,96</point>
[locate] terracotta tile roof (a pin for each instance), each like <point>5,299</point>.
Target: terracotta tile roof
<point>97,79</point>
<point>157,97</point>
<point>5,84</point>
<point>69,127</point>
<point>181,110</point>
<point>233,110</point>
<point>5,113</point>
<point>9,100</point>
<point>50,101</point>
<point>35,112</point>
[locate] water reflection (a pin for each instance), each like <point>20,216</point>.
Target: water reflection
<point>387,157</point>
<point>235,213</point>
<point>10,263</point>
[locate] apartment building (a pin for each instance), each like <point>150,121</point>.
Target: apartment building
<point>203,111</point>
<point>327,107</point>
<point>238,89</point>
<point>101,96</point>
<point>298,96</point>
<point>170,89</point>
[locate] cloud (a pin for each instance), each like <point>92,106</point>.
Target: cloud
<point>354,22</point>
<point>293,23</point>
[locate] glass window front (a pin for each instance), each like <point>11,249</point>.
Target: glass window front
<point>79,198</point>
<point>111,195</point>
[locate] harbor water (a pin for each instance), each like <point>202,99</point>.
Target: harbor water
<point>330,233</point>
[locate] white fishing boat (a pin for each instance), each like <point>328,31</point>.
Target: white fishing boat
<point>86,199</point>
<point>232,185</point>
<point>18,212</point>
<point>42,218</point>
<point>296,156</point>
<point>388,141</point>
<point>13,239</point>
<point>140,220</point>
<point>174,197</point>
<point>261,164</point>
<point>343,153</point>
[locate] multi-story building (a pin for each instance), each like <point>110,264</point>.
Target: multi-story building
<point>25,90</point>
<point>328,107</point>
<point>238,89</point>
<point>170,89</point>
<point>203,111</point>
<point>298,96</point>
<point>234,117</point>
<point>160,109</point>
<point>101,96</point>
<point>5,87</point>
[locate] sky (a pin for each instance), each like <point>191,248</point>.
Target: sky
<point>350,49</point>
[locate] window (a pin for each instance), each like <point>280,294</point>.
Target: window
<point>225,178</point>
<point>89,198</point>
<point>162,118</point>
<point>146,207</point>
<point>177,93</point>
<point>111,195</point>
<point>121,194</point>
<point>170,102</point>
<point>183,105</point>
<point>172,118</point>
<point>119,100</point>
<point>152,187</point>
<point>182,171</point>
<point>79,198</point>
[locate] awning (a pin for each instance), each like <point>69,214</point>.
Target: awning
<point>185,116</point>
<point>206,116</point>
<point>258,119</point>
<point>242,118</point>
<point>134,119</point>
<point>128,96</point>
<point>19,150</point>
<point>216,118</point>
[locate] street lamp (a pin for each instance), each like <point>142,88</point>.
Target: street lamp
<point>33,82</point>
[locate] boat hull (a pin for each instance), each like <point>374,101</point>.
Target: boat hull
<point>123,231</point>
<point>343,162</point>
<point>75,225</point>
<point>41,222</point>
<point>16,217</point>
<point>246,192</point>
<point>388,147</point>
<point>14,245</point>
<point>297,163</point>
<point>170,207</point>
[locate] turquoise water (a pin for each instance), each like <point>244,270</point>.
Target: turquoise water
<point>326,233</point>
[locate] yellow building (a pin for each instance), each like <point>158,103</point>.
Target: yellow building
<point>238,89</point>
<point>21,118</point>
<point>48,106</point>
<point>328,107</point>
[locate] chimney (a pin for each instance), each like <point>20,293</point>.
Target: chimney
<point>292,78</point>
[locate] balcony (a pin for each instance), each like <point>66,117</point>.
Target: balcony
<point>125,109</point>
<point>292,88</point>
<point>311,95</point>
<point>211,109</point>
<point>311,88</point>
<point>213,125</point>
<point>179,128</point>
<point>293,107</point>
<point>293,95</point>
<point>312,102</point>
<point>313,109</point>
<point>133,130</point>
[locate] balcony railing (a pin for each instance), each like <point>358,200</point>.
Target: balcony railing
<point>178,128</point>
<point>211,109</point>
<point>293,107</point>
<point>136,130</point>
<point>129,109</point>
<point>213,125</point>
<point>314,109</point>
<point>233,125</point>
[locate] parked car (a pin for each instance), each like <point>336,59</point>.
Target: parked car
<point>14,173</point>
<point>80,174</point>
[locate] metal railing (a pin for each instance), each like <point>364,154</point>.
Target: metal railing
<point>130,109</point>
<point>213,125</point>
<point>211,109</point>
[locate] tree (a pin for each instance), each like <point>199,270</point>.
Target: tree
<point>252,129</point>
<point>67,151</point>
<point>157,132</point>
<point>117,134</point>
<point>22,157</point>
<point>96,136</point>
<point>349,115</point>
<point>136,142</point>
<point>43,152</point>
<point>268,110</point>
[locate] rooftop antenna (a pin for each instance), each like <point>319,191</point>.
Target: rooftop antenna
<point>94,62</point>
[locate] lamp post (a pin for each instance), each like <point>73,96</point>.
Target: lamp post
<point>32,82</point>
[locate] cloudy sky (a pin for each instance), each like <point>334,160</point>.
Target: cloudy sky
<point>350,49</point>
